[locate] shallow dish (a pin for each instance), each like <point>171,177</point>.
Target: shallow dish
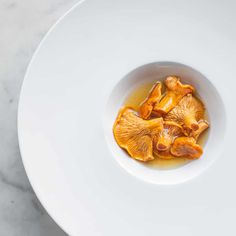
<point>74,85</point>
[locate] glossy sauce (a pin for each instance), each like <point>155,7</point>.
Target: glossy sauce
<point>134,99</point>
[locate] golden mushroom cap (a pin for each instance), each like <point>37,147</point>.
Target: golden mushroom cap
<point>187,113</point>
<point>136,135</point>
<point>186,147</point>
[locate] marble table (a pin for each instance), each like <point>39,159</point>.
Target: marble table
<point>23,23</point>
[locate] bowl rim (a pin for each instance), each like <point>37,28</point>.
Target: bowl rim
<point>53,216</point>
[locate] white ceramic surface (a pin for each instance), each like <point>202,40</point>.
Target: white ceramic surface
<point>63,107</point>
<point>151,73</point>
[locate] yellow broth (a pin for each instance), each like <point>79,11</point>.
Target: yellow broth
<point>134,99</point>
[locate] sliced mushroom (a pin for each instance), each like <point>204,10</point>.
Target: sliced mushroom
<point>186,147</point>
<point>187,113</point>
<point>136,135</point>
<point>166,137</point>
<point>203,125</point>
<point>175,91</point>
<point>153,97</point>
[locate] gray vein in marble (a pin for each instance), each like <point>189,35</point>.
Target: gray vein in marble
<point>38,207</point>
<point>13,184</point>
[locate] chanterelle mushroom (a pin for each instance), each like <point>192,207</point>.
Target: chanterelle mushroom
<point>187,113</point>
<point>136,135</point>
<point>186,147</point>
<point>175,91</point>
<point>153,97</point>
<point>166,137</point>
<point>203,125</point>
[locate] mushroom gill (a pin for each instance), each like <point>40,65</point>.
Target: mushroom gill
<point>186,147</point>
<point>165,138</point>
<point>136,135</point>
<point>175,90</point>
<point>153,97</point>
<point>187,113</point>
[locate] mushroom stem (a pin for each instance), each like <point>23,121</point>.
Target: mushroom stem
<point>175,91</point>
<point>155,124</point>
<point>163,143</point>
<point>166,104</point>
<point>203,125</point>
<point>191,123</point>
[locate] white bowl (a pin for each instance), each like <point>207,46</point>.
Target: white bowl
<point>67,108</point>
<point>209,95</point>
